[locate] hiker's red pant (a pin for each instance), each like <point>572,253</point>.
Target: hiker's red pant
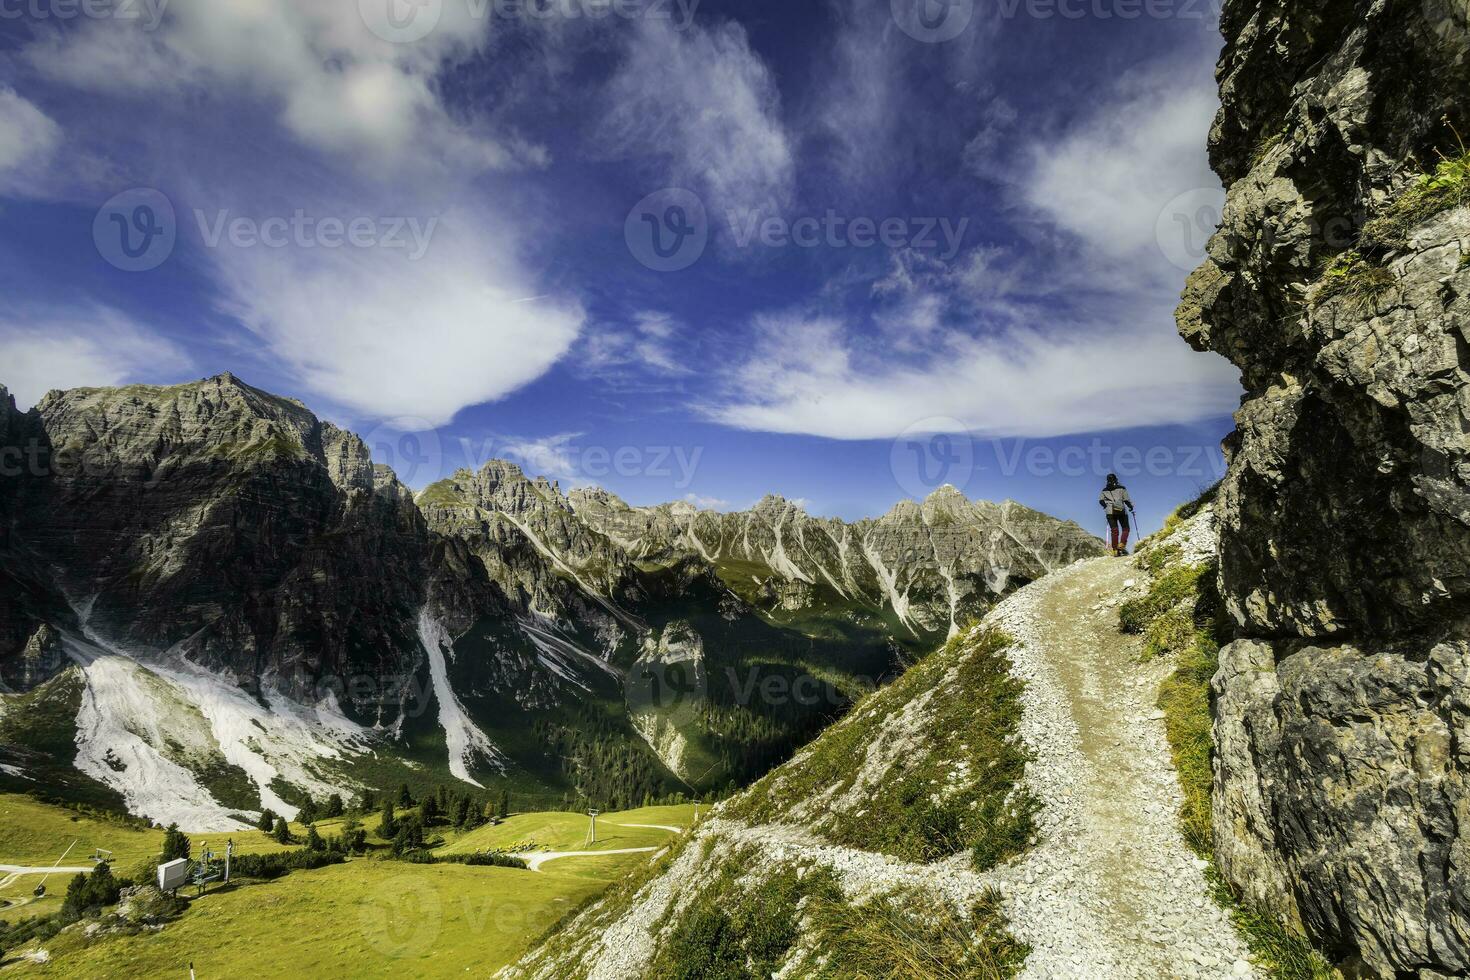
<point>1120,528</point>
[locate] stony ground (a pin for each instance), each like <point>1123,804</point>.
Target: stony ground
<point>1111,891</point>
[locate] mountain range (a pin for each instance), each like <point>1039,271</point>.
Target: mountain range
<point>213,602</point>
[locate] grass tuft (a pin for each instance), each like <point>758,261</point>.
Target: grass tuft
<point>1447,187</point>
<point>1356,281</point>
<point>911,937</point>
<point>1177,586</point>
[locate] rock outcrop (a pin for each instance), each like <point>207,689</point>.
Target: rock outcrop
<point>1338,283</point>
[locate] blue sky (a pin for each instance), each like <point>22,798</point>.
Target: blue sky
<point>841,251</point>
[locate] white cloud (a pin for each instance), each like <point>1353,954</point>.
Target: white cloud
<point>1108,179</point>
<point>1071,334</point>
<point>706,503</point>
<point>388,336</point>
<point>808,376</point>
<point>646,343</point>
<point>28,139</point>
<point>704,102</point>
<point>98,347</point>
<point>553,457</point>
<point>334,83</point>
<point>371,331</point>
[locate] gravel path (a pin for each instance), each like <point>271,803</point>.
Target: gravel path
<point>534,859</point>
<point>1112,891</point>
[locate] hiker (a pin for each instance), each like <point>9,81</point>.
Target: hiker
<point>1116,502</point>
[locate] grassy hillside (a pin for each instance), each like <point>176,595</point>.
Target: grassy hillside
<point>364,919</point>
<point>568,831</point>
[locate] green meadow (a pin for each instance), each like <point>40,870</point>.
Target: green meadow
<point>371,917</point>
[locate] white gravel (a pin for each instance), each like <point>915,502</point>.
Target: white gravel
<point>1111,891</point>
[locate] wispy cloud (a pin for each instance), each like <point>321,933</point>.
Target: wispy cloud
<point>553,457</point>
<point>703,102</point>
<point>644,345</point>
<point>331,81</point>
<point>810,376</point>
<point>28,140</point>
<point>95,347</point>
<point>706,503</point>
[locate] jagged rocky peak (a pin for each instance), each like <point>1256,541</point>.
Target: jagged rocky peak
<point>1338,284</point>
<point>499,485</point>
<point>200,512</point>
<point>220,417</point>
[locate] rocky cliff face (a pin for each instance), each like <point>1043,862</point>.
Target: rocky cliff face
<point>1338,283</point>
<point>225,520</point>
<point>933,566</point>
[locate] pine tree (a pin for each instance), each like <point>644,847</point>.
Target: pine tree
<point>461,811</point>
<point>308,813</point>
<point>388,826</point>
<point>334,806</point>
<point>405,798</point>
<point>410,837</point>
<point>283,831</point>
<point>87,894</point>
<point>504,804</point>
<point>368,802</point>
<point>175,844</point>
<point>266,823</point>
<point>314,840</point>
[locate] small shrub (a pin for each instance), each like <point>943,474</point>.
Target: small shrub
<point>268,867</point>
<point>736,928</point>
<point>493,860</point>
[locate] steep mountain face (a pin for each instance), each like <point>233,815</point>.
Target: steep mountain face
<point>215,603</point>
<point>932,566</point>
<point>1338,283</point>
<point>222,571</point>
